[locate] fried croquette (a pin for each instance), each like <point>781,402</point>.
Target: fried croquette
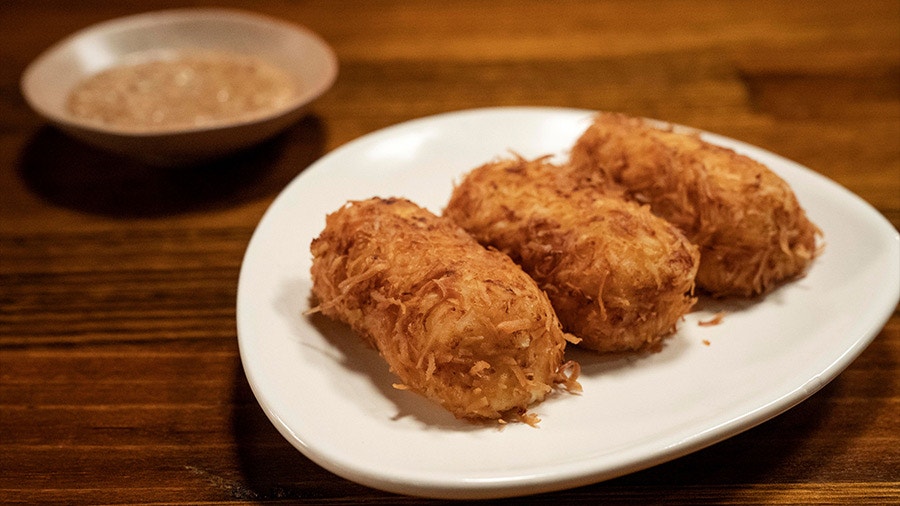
<point>619,277</point>
<point>458,323</point>
<point>752,233</point>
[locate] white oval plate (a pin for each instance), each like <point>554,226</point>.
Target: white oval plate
<point>303,55</point>
<point>331,396</point>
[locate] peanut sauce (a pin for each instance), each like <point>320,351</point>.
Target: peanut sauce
<point>189,90</point>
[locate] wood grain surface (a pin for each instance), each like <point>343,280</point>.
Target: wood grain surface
<point>120,378</point>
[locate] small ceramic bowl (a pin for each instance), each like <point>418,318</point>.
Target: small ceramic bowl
<point>47,83</point>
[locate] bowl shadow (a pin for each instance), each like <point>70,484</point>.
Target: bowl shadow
<point>74,175</point>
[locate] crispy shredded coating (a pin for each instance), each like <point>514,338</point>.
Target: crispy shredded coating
<point>458,323</point>
<point>619,277</point>
<point>753,234</point>
<point>715,320</point>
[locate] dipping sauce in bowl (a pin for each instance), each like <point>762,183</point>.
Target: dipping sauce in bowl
<point>188,89</point>
<point>180,86</point>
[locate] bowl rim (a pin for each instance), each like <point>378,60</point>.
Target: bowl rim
<point>154,18</point>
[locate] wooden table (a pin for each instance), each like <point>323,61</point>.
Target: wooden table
<point>120,378</point>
